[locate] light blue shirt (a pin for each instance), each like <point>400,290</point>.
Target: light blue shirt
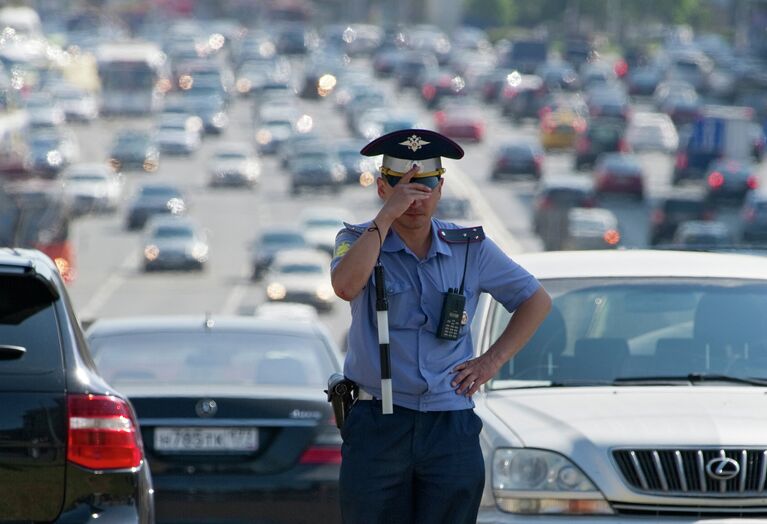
<point>422,364</point>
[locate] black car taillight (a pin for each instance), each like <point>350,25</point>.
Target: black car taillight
<point>103,433</point>
<point>326,448</point>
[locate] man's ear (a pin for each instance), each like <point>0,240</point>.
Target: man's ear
<point>381,186</point>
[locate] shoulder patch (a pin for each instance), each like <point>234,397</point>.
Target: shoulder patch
<point>462,235</point>
<point>341,249</point>
<point>357,228</point>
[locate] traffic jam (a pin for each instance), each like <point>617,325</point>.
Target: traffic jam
<point>173,176</point>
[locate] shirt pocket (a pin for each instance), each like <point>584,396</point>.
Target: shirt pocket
<point>404,307</point>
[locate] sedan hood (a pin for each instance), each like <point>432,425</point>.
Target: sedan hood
<point>554,418</point>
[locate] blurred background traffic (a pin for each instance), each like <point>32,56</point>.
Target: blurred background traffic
<point>196,158</point>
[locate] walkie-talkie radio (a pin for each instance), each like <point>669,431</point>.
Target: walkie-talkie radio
<point>454,304</point>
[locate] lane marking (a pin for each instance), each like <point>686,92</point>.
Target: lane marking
<point>234,299</point>
<point>489,220</point>
<point>107,289</point>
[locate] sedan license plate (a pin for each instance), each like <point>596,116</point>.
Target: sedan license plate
<point>205,439</point>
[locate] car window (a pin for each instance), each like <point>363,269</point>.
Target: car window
<point>603,330</point>
<point>231,358</point>
<point>28,319</point>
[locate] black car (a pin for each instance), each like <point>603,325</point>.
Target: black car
<point>359,169</point>
<point>232,412</point>
<point>553,199</point>
<point>518,158</point>
<point>316,170</point>
<point>154,199</point>
<point>602,135</point>
<point>730,180</point>
<point>70,446</point>
<point>671,210</point>
<point>753,215</point>
<point>134,149</point>
<point>269,242</point>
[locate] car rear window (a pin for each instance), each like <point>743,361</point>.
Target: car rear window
<point>683,206</point>
<point>233,358</point>
<point>28,320</point>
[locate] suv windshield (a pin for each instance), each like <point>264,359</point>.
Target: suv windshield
<point>600,331</point>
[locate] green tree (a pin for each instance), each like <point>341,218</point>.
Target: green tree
<point>490,13</point>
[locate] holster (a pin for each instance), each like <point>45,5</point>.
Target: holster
<point>342,393</point>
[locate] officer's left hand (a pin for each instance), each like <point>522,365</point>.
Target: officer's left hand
<point>473,373</point>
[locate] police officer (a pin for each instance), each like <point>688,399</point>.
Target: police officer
<point>422,463</point>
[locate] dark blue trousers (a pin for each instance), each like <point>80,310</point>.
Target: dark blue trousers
<point>410,467</point>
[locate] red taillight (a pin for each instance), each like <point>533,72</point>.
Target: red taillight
<point>621,68</point>
<point>321,455</point>
<point>658,216</point>
<point>681,161</point>
<point>582,144</point>
<point>612,237</point>
<point>708,214</point>
<point>103,433</point>
<point>715,180</point>
<point>749,215</point>
<point>428,91</point>
<point>538,159</point>
<point>752,182</point>
<point>623,146</point>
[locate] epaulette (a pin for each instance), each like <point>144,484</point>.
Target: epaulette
<point>463,235</point>
<point>357,228</point>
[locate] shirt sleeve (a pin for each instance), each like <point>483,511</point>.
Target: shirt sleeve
<point>344,240</point>
<point>508,282</point>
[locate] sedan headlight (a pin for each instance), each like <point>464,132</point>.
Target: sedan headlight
<point>276,291</point>
<point>200,252</point>
<point>219,119</point>
<point>263,137</point>
<point>151,252</point>
<point>325,293</point>
<point>538,481</point>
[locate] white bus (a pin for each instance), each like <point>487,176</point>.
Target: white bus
<point>133,77</point>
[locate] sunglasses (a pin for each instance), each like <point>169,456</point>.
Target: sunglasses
<point>428,181</point>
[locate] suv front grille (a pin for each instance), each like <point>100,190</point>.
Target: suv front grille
<point>693,471</point>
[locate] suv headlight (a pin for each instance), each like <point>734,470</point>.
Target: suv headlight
<point>537,481</point>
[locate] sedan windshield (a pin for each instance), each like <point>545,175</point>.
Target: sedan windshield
<point>644,332</point>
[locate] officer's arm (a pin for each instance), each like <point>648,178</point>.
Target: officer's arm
<point>354,269</point>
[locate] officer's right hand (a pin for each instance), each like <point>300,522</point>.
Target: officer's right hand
<point>402,196</point>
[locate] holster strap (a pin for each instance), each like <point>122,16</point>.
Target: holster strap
<point>364,395</point>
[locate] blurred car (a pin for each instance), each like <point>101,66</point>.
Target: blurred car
<point>413,67</point>
<point>728,179</point>
<point>518,157</point>
<point>134,149</point>
<point>92,188</point>
<point>702,234</point>
<point>271,134</point>
<point>652,132</point>
<point>380,121</point>
<point>316,169</point>
<point>610,103</point>
<point>68,439</point>
<point>234,164</point>
<point>753,217</point>
<point>453,208</point>
<point>210,109</point>
<point>176,135</point>
<point>51,150</point>
<point>619,173</point>
<point>230,416</point>
<point>670,210</point>
<point>173,242</point>
<point>154,199</point>
<point>553,198</point>
<point>522,96</point>
<point>282,311</point>
<point>660,346</point>
<point>591,228</point>
<point>359,169</point>
<point>321,225</point>
<point>559,128</point>
<point>303,276</point>
<point>461,121</point>
<point>77,104</point>
<point>558,75</point>
<point>602,135</point>
<point>298,143</point>
<point>439,84</point>
<point>271,241</point>
<point>643,80</point>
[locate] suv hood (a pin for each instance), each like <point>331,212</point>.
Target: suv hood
<point>628,416</point>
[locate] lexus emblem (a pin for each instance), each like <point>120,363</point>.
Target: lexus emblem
<point>722,468</point>
<point>206,408</point>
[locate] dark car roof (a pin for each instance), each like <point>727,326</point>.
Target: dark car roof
<point>17,259</point>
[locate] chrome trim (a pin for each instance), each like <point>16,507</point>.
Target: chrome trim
<point>659,470</point>
<point>701,470</point>
<point>680,469</point>
<point>227,422</point>
<point>743,468</point>
<point>638,470</point>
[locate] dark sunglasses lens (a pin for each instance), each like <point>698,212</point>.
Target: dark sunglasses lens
<point>428,181</point>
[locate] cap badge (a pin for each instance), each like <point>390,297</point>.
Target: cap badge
<point>414,143</point>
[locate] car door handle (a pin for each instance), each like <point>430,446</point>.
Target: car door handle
<point>11,352</point>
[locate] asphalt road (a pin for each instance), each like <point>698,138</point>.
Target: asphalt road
<point>110,282</point>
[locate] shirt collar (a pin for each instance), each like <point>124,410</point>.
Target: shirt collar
<point>393,243</point>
